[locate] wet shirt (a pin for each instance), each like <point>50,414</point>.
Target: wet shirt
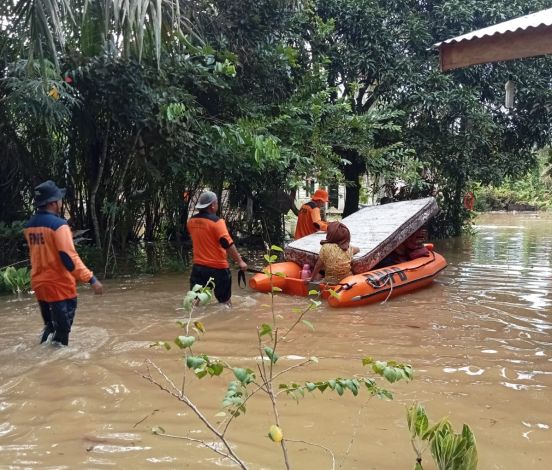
<point>55,264</point>
<point>210,240</point>
<point>309,221</point>
<point>337,262</point>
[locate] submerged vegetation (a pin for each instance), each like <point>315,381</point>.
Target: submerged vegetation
<point>136,107</point>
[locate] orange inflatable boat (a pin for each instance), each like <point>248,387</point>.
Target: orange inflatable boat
<point>358,289</point>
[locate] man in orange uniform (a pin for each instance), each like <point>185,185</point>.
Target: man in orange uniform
<point>309,220</point>
<point>211,246</point>
<point>55,264</point>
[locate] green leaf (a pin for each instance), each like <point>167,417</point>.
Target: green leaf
<point>310,386</point>
<point>194,362</point>
<point>200,373</point>
<point>241,374</point>
<point>309,324</point>
<point>279,274</point>
<point>204,297</point>
<point>276,248</point>
<point>215,369</point>
<point>276,289</point>
<point>391,374</point>
<point>184,341</point>
<point>265,329</point>
<point>313,292</point>
<point>333,293</point>
<point>367,360</point>
<point>384,394</point>
<point>164,344</point>
<point>271,354</point>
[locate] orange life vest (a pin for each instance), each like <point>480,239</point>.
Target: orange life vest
<point>309,220</point>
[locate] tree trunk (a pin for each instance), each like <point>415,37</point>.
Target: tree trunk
<point>352,173</point>
<point>94,191</point>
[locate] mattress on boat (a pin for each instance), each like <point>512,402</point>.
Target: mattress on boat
<point>376,230</point>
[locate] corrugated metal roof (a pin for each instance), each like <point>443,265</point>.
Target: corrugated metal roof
<point>540,18</point>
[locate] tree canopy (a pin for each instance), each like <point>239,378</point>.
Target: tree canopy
<point>132,104</point>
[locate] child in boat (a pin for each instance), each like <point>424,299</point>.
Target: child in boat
<point>335,255</point>
<point>412,248</point>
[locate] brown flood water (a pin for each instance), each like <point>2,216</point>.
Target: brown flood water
<point>479,340</point>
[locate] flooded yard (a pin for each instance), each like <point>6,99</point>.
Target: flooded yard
<point>479,340</point>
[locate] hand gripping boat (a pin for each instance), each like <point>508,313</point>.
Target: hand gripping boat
<point>358,289</point>
<point>377,231</point>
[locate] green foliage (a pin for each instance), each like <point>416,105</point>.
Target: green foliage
<point>130,104</point>
<point>199,295</point>
<point>532,191</point>
<point>450,450</point>
<point>340,385</point>
<point>15,280</point>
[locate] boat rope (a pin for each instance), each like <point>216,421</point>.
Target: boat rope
<point>374,281</point>
<point>390,280</point>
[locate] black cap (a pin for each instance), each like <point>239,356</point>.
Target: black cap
<point>47,192</point>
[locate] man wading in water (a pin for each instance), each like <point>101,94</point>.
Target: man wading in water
<point>56,266</point>
<point>211,245</point>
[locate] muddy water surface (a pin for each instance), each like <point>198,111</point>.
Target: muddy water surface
<point>479,340</point>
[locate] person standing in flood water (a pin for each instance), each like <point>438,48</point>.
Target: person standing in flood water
<point>55,264</point>
<point>211,245</point>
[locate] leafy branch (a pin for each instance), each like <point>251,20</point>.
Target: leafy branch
<point>247,383</point>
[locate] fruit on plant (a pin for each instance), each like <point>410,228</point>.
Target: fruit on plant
<point>275,433</point>
<point>54,93</point>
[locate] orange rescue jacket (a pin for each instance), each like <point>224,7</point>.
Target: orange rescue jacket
<point>55,264</point>
<point>210,240</point>
<point>309,220</point>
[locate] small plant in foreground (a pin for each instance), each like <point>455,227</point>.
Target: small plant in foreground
<point>17,280</point>
<point>450,450</point>
<point>245,383</point>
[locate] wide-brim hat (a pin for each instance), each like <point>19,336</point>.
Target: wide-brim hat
<point>320,195</point>
<point>47,192</point>
<point>206,199</point>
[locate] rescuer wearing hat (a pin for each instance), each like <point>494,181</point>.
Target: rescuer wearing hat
<point>55,265</point>
<point>211,245</point>
<point>309,220</point>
